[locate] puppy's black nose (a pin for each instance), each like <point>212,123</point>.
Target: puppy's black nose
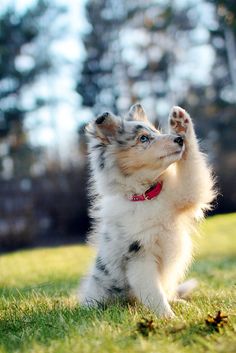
<point>179,140</point>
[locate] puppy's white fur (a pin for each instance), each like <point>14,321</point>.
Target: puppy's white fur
<point>144,248</point>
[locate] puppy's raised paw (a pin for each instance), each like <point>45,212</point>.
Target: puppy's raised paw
<point>179,121</point>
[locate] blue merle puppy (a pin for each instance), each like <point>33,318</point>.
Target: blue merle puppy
<point>150,188</point>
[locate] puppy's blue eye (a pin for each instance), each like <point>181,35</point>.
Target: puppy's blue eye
<point>143,139</point>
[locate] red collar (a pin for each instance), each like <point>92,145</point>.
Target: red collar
<point>150,194</point>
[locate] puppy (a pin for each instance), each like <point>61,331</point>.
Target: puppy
<point>150,188</point>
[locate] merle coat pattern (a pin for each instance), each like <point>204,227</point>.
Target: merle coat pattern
<point>144,248</point>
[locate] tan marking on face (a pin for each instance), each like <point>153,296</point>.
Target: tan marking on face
<point>132,160</point>
<point>141,133</point>
<point>145,132</point>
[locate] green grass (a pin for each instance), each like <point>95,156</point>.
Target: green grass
<point>39,312</point>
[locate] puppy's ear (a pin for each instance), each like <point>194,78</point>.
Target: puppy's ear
<point>104,127</point>
<point>137,112</point>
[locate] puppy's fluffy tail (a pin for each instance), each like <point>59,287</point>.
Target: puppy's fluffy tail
<point>186,288</point>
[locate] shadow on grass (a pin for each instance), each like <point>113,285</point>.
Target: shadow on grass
<point>43,321</point>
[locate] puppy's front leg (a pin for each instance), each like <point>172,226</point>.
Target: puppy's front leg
<point>142,274</point>
<point>194,184</point>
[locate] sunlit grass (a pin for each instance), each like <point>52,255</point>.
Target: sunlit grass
<point>39,312</point>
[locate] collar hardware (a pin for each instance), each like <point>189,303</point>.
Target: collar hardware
<point>150,194</point>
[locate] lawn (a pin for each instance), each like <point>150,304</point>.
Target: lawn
<point>39,312</point>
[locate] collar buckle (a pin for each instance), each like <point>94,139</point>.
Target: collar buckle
<point>149,194</point>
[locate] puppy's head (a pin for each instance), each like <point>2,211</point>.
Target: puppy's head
<point>133,144</point>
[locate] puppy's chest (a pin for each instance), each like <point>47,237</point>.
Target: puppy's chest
<point>147,225</point>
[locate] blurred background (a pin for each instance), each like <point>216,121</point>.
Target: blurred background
<point>64,61</point>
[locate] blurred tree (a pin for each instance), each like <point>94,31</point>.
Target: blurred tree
<point>96,83</point>
<point>223,39</point>
<point>142,51</point>
<point>214,104</point>
<point>24,57</point>
<point>151,50</point>
<point>130,54</point>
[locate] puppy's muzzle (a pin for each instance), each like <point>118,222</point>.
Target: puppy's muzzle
<point>179,140</point>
